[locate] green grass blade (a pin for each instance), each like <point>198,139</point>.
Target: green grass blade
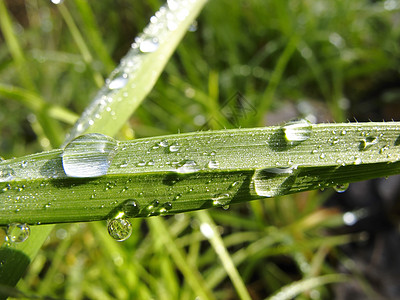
<point>36,104</point>
<point>185,172</point>
<point>138,71</point>
<point>292,290</point>
<point>208,228</point>
<point>80,42</point>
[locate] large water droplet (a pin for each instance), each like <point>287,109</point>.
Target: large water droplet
<point>89,155</point>
<point>17,233</point>
<point>187,166</point>
<point>273,182</point>
<point>119,229</point>
<point>297,131</point>
<point>341,188</point>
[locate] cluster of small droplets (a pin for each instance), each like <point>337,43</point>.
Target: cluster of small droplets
<point>166,20</point>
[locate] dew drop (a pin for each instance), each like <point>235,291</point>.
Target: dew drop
<point>24,164</point>
<point>118,82</point>
<point>367,143</point>
<point>6,174</point>
<point>187,166</point>
<point>17,233</point>
<point>89,155</point>
<point>212,164</point>
<point>222,200</point>
<point>341,188</point>
<point>149,45</point>
<point>358,161</point>
<point>163,143</point>
<point>141,163</point>
<point>297,131</point>
<point>174,148</point>
<point>273,182</point>
<point>119,229</point>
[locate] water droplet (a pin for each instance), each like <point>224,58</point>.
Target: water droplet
<point>273,182</point>
<point>187,166</point>
<point>172,5</point>
<point>174,148</point>
<point>124,164</point>
<point>221,200</point>
<point>297,131</point>
<point>118,82</point>
<point>212,164</point>
<point>130,208</point>
<point>6,174</point>
<point>119,229</point>
<point>89,155</point>
<point>367,143</point>
<point>149,44</point>
<point>383,149</point>
<point>17,233</point>
<point>322,156</point>
<point>358,161</point>
<point>163,143</point>
<point>141,163</point>
<point>341,188</point>
<point>24,164</point>
<point>57,1</point>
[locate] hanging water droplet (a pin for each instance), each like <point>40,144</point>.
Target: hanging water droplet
<point>57,1</point>
<point>341,188</point>
<point>273,182</point>
<point>297,131</point>
<point>149,44</point>
<point>187,166</point>
<point>119,229</point>
<point>89,155</point>
<point>118,82</point>
<point>17,233</point>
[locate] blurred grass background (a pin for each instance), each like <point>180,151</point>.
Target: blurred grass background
<point>251,63</point>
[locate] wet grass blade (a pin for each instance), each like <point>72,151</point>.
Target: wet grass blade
<point>96,177</point>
